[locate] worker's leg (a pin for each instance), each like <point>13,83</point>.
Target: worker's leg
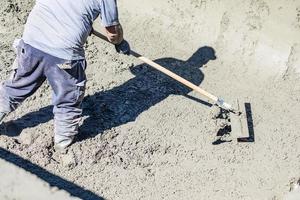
<point>26,78</point>
<point>68,91</point>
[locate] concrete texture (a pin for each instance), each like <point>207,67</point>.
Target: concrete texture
<point>18,184</point>
<point>144,136</point>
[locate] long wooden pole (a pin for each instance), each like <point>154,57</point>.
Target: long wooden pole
<point>173,75</point>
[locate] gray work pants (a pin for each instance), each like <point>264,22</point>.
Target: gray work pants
<point>67,79</point>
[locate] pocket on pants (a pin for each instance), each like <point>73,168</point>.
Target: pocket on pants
<point>75,69</point>
<point>25,63</point>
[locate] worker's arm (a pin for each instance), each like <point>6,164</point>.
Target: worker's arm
<point>113,28</point>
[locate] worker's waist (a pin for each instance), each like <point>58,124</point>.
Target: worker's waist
<point>66,53</point>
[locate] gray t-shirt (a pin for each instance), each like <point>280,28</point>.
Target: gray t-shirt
<point>61,27</point>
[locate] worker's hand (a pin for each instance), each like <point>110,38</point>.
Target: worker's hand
<point>123,47</point>
<point>114,34</point>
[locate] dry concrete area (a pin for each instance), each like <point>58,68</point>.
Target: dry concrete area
<point>145,136</point>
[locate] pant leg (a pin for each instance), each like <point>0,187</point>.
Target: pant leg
<point>68,91</point>
<point>26,78</point>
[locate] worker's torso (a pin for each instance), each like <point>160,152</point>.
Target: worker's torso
<point>61,27</point>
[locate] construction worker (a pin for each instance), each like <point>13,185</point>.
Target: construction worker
<point>52,48</point>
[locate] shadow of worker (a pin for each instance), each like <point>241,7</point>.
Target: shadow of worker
<point>123,104</point>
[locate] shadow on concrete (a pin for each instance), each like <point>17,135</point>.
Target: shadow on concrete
<point>52,179</point>
<point>15,127</point>
<point>120,105</point>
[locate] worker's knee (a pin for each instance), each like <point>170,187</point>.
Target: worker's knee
<point>5,106</point>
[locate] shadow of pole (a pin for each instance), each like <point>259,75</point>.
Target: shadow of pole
<point>53,180</point>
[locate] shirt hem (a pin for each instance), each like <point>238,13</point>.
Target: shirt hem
<point>57,55</point>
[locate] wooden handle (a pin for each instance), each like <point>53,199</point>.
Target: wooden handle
<point>166,71</point>
<point>175,76</point>
<point>100,35</point>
